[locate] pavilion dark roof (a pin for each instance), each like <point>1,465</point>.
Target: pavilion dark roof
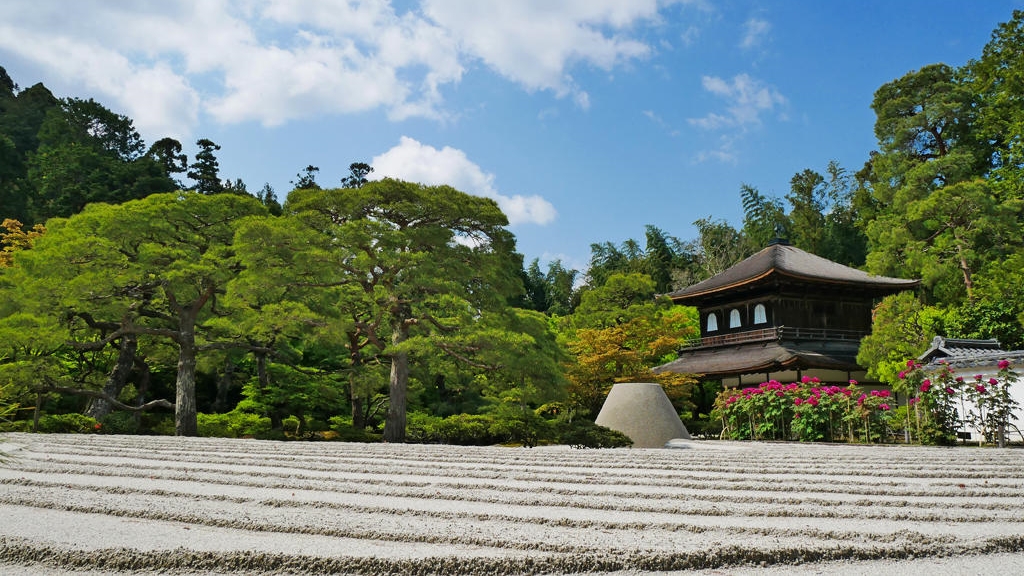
<point>762,357</point>
<point>784,260</point>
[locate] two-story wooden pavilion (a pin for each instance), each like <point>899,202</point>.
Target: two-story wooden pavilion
<point>780,315</point>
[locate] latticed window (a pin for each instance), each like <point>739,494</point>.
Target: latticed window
<point>760,314</point>
<point>712,322</point>
<point>734,318</point>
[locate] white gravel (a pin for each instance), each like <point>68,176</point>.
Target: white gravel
<point>127,504</point>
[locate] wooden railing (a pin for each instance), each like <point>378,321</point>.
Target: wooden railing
<point>775,333</point>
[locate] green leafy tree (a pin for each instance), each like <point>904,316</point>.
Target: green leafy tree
<point>89,154</point>
<point>618,333</point>
<point>307,178</point>
<point>167,153</point>
<point>997,79</point>
<point>205,171</point>
<point>808,200</point>
<point>153,267</point>
<point>22,113</point>
<point>357,175</point>
<point>844,240</point>
<point>764,218</point>
<point>936,217</point>
<point>717,247</point>
<point>268,198</point>
<point>901,328</point>
<point>423,259</point>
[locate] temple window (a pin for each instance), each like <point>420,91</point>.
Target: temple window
<point>712,322</point>
<point>734,318</point>
<point>760,314</point>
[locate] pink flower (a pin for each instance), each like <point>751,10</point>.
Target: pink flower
<point>847,392</point>
<point>883,407</point>
<point>797,415</point>
<point>993,382</point>
<point>853,382</point>
<point>805,379</point>
<point>815,379</point>
<point>914,401</point>
<point>981,389</point>
<point>950,391</point>
<point>1004,364</point>
<point>798,401</point>
<point>813,400</point>
<point>902,375</point>
<point>926,385</point>
<point>960,379</point>
<point>910,363</point>
<point>780,393</point>
<point>977,377</point>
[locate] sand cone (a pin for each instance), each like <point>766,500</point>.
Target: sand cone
<point>643,412</point>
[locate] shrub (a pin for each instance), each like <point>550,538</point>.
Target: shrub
<point>586,434</point>
<point>234,425</point>
<point>342,426</point>
<point>69,424</point>
<point>119,423</point>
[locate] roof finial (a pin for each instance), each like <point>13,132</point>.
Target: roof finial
<point>779,231</point>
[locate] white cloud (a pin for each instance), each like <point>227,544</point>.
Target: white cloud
<point>160,102</point>
<point>660,122</point>
<point>754,32</point>
<point>415,162</point>
<point>271,61</point>
<point>535,42</point>
<point>746,100</point>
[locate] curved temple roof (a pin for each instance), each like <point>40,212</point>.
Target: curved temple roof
<point>757,358</point>
<point>790,261</point>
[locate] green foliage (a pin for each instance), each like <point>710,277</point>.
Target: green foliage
<point>205,171</point>
<point>119,423</point>
<point>586,434</point>
<point>346,432</point>
<point>152,267</point>
<point>68,424</point>
<point>900,329</point>
<point>997,79</point>
<point>717,247</point>
<point>764,218</point>
<point>233,425</point>
<point>409,262</point>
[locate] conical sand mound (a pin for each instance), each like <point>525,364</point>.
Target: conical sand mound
<point>643,412</point>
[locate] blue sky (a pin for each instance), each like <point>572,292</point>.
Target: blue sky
<point>584,119</point>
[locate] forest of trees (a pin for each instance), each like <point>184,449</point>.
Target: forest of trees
<point>141,292</point>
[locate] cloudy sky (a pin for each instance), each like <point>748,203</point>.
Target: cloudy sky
<point>584,119</point>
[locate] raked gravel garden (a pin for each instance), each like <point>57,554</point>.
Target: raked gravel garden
<point>101,504</point>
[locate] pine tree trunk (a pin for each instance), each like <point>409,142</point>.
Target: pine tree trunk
<point>185,420</point>
<point>358,418</point>
<point>220,404</point>
<point>394,426</point>
<point>99,407</point>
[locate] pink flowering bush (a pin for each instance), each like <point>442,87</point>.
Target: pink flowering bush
<point>932,415</point>
<point>811,411</point>
<point>985,404</point>
<point>991,405</point>
<point>807,411</point>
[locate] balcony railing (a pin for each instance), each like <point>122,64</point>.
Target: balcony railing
<point>775,333</point>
